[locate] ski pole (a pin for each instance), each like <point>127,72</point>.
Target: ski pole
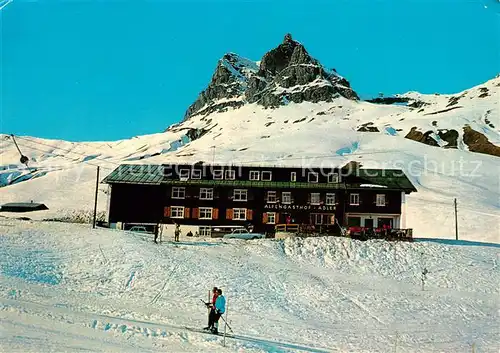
<point>204,302</point>
<point>229,327</point>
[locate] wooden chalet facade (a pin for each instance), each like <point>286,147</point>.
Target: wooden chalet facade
<point>206,196</point>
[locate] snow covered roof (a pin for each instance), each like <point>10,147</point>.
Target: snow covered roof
<point>385,178</point>
<point>23,207</point>
<point>372,186</point>
<point>361,178</point>
<point>136,174</point>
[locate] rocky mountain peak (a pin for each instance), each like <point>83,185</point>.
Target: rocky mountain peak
<point>278,58</point>
<point>286,74</point>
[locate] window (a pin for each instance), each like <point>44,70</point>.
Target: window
<point>196,174</point>
<point>271,217</point>
<point>293,176</point>
<point>333,177</point>
<point>385,222</point>
<point>205,231</point>
<point>177,212</point>
<point>318,218</point>
<point>330,199</point>
<point>380,200</point>
<point>312,177</point>
<point>315,198</point>
<point>184,174</point>
<point>178,192</point>
<point>271,197</point>
<point>254,175</point>
<point>206,194</point>
<point>230,174</point>
<point>354,221</point>
<point>286,197</point>
<point>240,195</point>
<point>240,214</point>
<point>205,213</point>
<point>218,174</point>
<point>354,199</point>
<point>266,176</point>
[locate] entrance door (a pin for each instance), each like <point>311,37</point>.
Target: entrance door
<point>316,218</point>
<point>369,222</point>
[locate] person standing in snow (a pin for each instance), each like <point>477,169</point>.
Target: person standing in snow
<point>211,305</point>
<point>177,232</point>
<point>220,308</point>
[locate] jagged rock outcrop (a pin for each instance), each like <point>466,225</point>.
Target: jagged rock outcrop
<point>227,86</point>
<point>450,136</point>
<point>429,137</point>
<point>419,136</point>
<point>477,142</point>
<point>367,127</point>
<point>412,103</point>
<point>195,134</point>
<point>286,74</point>
<point>289,74</point>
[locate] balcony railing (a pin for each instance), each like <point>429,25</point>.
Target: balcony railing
<point>361,233</point>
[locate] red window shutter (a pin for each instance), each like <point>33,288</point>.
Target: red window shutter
<point>186,212</point>
<point>249,215</point>
<point>229,213</point>
<point>166,211</point>
<point>264,218</point>
<point>196,212</point>
<point>215,213</point>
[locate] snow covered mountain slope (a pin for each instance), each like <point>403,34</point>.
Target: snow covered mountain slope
<point>431,137</point>
<point>66,287</point>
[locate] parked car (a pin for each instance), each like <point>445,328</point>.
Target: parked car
<point>138,229</point>
<point>243,234</point>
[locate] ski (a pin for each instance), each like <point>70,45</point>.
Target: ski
<point>208,332</point>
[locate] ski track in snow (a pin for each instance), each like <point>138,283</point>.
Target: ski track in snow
<point>295,295</point>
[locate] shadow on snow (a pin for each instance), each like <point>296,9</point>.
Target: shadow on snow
<point>457,242</point>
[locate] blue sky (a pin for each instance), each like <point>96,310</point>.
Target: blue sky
<point>105,70</point>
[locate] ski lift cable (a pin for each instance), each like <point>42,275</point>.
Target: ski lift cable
<point>244,161</point>
<point>330,155</point>
<point>61,149</point>
<point>68,158</point>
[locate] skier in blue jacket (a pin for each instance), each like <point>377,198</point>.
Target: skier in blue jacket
<point>220,308</point>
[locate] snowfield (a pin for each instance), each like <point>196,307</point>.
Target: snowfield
<point>67,287</point>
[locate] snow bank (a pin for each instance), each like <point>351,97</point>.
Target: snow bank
<point>118,291</point>
<point>401,261</point>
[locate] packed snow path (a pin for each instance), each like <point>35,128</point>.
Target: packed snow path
<point>68,287</point>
